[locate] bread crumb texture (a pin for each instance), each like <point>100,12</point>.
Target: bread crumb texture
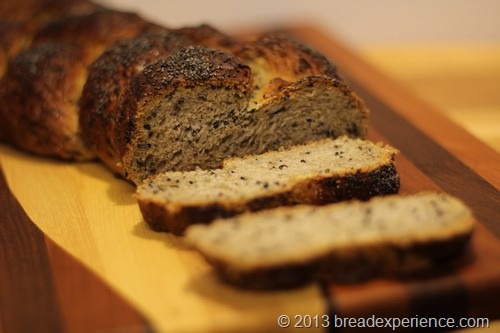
<point>257,175</point>
<point>300,234</point>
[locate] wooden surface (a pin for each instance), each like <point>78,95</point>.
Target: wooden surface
<point>76,256</point>
<point>462,80</point>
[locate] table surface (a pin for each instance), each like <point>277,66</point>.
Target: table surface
<point>104,260</point>
<point>462,80</point>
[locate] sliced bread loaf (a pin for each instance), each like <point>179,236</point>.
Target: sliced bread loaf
<point>317,173</point>
<point>223,98</point>
<point>287,246</point>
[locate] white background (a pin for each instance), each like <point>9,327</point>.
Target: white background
<point>357,22</point>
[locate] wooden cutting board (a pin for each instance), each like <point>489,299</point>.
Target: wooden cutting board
<point>76,256</point>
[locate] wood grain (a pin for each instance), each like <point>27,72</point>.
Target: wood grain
<point>461,79</point>
<point>76,255</point>
<point>88,304</point>
<point>27,291</point>
<point>43,289</point>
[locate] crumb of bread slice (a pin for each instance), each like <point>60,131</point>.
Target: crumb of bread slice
<point>318,173</point>
<point>287,246</point>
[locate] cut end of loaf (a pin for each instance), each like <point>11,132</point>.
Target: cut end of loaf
<point>381,235</point>
<point>182,112</point>
<point>320,172</point>
<point>108,78</point>
<point>171,134</point>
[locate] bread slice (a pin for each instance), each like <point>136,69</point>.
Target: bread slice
<point>317,173</point>
<point>288,246</point>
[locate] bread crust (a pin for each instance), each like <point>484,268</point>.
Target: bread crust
<point>21,19</point>
<point>13,38</point>
<point>284,58</point>
<point>97,29</point>
<point>42,11</point>
<point>43,85</point>
<point>40,89</point>
<point>208,36</point>
<point>108,81</point>
<point>176,218</point>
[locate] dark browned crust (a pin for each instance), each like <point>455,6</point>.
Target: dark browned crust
<point>97,29</point>
<point>41,11</point>
<point>285,57</point>
<point>39,91</point>
<point>176,221</point>
<point>352,265</point>
<point>20,10</point>
<point>109,77</point>
<point>360,185</point>
<point>207,36</point>
<point>40,107</point>
<point>322,190</point>
<point>13,38</point>
<point>21,19</point>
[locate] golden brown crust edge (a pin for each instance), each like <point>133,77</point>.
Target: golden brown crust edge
<point>317,191</point>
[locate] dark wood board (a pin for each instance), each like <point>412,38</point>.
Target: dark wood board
<point>43,288</point>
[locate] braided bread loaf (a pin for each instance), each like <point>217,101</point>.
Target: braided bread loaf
<point>20,19</point>
<point>79,81</point>
<point>43,83</point>
<point>147,99</point>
